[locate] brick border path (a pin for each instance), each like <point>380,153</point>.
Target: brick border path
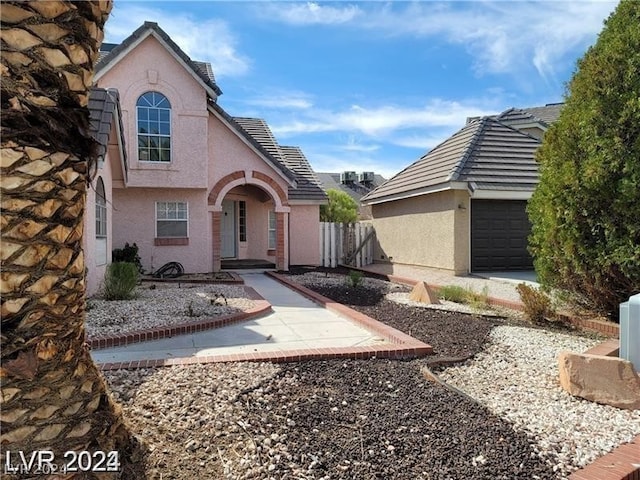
<point>400,344</point>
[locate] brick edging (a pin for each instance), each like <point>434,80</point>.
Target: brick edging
<point>261,307</point>
<point>623,463</point>
<point>401,345</point>
<point>396,337</point>
<point>603,327</point>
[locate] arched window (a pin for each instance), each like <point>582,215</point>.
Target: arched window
<point>154,128</point>
<point>101,223</point>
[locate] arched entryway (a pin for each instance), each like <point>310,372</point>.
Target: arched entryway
<point>249,218</point>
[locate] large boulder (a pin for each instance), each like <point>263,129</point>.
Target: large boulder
<point>608,380</point>
<point>424,294</point>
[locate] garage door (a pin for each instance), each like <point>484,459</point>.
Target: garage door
<point>499,231</point>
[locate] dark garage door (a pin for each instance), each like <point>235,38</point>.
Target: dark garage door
<point>499,231</point>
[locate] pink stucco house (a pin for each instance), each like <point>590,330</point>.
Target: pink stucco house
<point>182,178</point>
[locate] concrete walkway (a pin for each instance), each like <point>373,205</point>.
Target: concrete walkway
<point>295,324</point>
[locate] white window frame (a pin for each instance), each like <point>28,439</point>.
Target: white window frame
<point>272,219</point>
<point>178,211</point>
<point>101,225</point>
<point>158,135</point>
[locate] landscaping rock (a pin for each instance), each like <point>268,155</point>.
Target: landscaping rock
<point>424,294</point>
<point>608,380</point>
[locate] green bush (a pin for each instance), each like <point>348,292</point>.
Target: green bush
<point>341,208</point>
<point>128,254</point>
<point>355,278</point>
<point>454,293</point>
<point>585,230</point>
<point>120,281</point>
<point>537,304</point>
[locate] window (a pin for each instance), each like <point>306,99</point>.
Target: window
<point>101,223</point>
<point>154,128</point>
<point>272,230</point>
<point>242,220</point>
<point>172,220</point>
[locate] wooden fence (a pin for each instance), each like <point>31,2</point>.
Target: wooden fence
<point>346,243</point>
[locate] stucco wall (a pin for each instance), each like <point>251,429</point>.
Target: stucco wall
<point>149,67</point>
<point>427,230</point>
<point>134,221</point>
<point>304,228</point>
<point>228,153</point>
<point>96,269</point>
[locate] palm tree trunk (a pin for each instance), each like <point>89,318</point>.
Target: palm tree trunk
<point>53,396</point>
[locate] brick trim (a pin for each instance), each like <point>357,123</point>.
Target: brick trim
<point>272,183</point>
<point>220,184</point>
<point>623,463</point>
<point>400,346</point>
<point>162,242</point>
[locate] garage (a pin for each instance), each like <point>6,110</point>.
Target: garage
<point>499,232</point>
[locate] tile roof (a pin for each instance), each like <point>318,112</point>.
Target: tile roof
<point>199,68</point>
<point>290,159</point>
<point>307,184</point>
<point>548,114</point>
<point>103,110</point>
<point>486,153</point>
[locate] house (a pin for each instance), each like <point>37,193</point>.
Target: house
<point>462,206</point>
<point>356,185</point>
<point>191,184</point>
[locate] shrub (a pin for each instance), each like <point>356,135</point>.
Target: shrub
<point>478,301</point>
<point>537,304</point>
<point>128,254</point>
<point>120,281</point>
<point>355,278</point>
<point>454,293</point>
<point>584,212</point>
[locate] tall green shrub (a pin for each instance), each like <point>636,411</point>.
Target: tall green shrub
<point>586,209</point>
<point>341,208</point>
<point>120,281</point>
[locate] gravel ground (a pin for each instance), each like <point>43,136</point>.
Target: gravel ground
<point>530,396</point>
<point>163,304</point>
<point>375,419</point>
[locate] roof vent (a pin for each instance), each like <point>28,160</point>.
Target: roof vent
<point>347,177</point>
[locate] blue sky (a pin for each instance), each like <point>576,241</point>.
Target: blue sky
<point>372,86</point>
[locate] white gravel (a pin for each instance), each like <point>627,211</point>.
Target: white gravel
<point>516,377</point>
<point>162,305</point>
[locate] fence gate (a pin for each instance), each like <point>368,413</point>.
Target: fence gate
<point>346,243</point>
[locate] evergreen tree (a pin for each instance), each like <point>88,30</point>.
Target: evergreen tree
<point>341,208</point>
<point>586,210</point>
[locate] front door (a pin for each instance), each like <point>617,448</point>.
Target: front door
<point>228,228</point>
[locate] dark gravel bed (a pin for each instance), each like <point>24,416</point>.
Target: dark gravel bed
<point>381,419</point>
<point>451,334</point>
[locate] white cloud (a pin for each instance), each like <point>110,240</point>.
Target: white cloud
<point>311,13</point>
<point>281,100</point>
<point>501,36</point>
<point>381,121</point>
<point>208,40</point>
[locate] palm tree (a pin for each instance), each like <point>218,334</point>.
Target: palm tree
<point>53,396</point>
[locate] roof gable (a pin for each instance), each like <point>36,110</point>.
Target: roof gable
<point>484,154</point>
<point>201,71</point>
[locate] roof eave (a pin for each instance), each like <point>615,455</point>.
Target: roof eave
<point>441,187</point>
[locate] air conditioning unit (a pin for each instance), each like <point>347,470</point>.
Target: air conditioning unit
<point>347,177</point>
<point>366,177</point>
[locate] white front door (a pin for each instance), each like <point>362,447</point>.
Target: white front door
<point>228,228</point>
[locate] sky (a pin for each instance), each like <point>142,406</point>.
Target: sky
<point>373,86</point>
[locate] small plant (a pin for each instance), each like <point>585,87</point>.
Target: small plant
<point>537,304</point>
<point>120,281</point>
<point>355,278</point>
<point>479,301</point>
<point>128,254</point>
<point>454,293</point>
